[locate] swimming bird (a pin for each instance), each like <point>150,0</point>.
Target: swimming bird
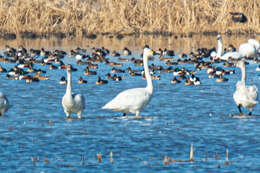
<point>72,103</point>
<point>225,56</point>
<point>133,100</point>
<point>81,81</point>
<point>4,104</point>
<point>63,81</point>
<point>101,81</point>
<point>245,96</point>
<point>127,52</point>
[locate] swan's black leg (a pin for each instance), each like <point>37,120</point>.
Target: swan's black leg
<point>239,108</point>
<point>250,111</point>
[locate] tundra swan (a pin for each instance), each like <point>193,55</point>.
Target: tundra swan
<point>133,100</point>
<point>72,103</point>
<point>244,95</point>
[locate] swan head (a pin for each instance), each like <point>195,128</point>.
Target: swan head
<point>219,37</point>
<point>148,52</point>
<point>69,68</point>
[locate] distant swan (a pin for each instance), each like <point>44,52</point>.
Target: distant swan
<point>4,104</point>
<point>133,100</point>
<point>72,103</point>
<point>245,96</point>
<point>218,54</point>
<point>227,55</point>
<point>250,48</point>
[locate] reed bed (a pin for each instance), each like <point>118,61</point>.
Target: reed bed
<point>83,17</point>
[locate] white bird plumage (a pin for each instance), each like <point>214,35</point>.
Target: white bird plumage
<point>133,100</point>
<point>245,96</point>
<point>250,48</point>
<point>220,47</point>
<point>219,54</point>
<point>4,104</point>
<point>72,103</point>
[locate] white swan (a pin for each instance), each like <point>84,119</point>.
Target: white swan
<point>233,55</point>
<point>244,95</point>
<point>133,100</point>
<point>220,47</point>
<point>226,56</point>
<point>4,104</point>
<point>250,48</point>
<point>72,103</point>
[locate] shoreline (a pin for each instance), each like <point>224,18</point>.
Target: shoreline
<point>60,35</point>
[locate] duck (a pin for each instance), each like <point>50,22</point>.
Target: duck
<point>4,104</point>
<point>188,82</point>
<point>126,52</point>
<point>101,81</point>
<point>44,53</point>
<point>115,53</point>
<point>2,70</point>
<point>52,67</point>
<point>92,66</point>
<point>175,81</point>
<point>109,76</point>
<point>115,70</point>
<point>135,99</point>
<point>123,59</point>
<point>81,81</point>
<point>114,64</point>
<point>245,95</point>
<point>88,72</point>
<point>116,78</point>
<point>37,75</point>
<point>258,68</point>
<point>196,81</point>
<point>167,52</point>
<point>34,52</point>
<point>63,80</point>
<point>80,56</point>
<point>220,78</point>
<point>72,103</point>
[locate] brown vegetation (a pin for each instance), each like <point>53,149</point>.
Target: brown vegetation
<point>81,17</point>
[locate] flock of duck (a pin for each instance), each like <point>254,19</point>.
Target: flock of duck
<point>132,100</point>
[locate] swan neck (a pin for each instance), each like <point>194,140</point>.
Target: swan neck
<point>149,86</point>
<point>219,51</point>
<point>243,76</point>
<point>68,90</point>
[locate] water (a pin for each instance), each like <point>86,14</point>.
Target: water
<point>36,137</point>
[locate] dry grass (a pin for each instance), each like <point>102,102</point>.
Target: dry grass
<point>78,17</point>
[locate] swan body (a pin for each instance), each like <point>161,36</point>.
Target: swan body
<point>233,55</point>
<point>72,103</point>
<point>226,56</point>
<point>245,96</point>
<point>133,100</point>
<point>250,48</point>
<point>4,104</point>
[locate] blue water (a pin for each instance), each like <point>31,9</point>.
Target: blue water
<point>35,136</point>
